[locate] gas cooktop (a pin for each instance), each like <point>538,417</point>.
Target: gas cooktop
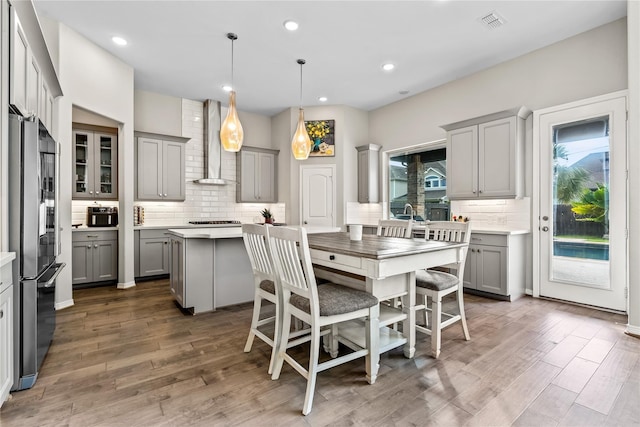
<point>216,222</point>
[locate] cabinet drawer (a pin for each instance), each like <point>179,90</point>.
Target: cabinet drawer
<point>90,236</point>
<point>349,261</point>
<point>154,234</point>
<point>489,239</point>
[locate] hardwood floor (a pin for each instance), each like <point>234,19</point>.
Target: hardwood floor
<point>131,357</point>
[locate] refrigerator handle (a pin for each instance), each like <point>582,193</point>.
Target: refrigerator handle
<point>53,278</point>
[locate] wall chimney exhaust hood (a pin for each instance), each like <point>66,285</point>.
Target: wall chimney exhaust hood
<point>212,145</point>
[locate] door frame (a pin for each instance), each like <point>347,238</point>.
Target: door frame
<point>536,158</point>
<point>333,168</point>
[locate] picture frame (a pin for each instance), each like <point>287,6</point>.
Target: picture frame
<point>322,136</point>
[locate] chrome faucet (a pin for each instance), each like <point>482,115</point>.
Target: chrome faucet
<point>408,206</point>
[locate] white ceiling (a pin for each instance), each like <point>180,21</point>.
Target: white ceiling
<point>180,48</point>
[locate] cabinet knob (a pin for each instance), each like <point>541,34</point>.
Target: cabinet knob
<point>90,191</point>
<point>88,246</point>
<point>166,243</point>
<point>479,191</point>
<point>97,192</point>
<point>95,246</point>
<point>165,194</point>
<point>159,194</point>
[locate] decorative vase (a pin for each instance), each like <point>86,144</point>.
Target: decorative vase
<point>316,144</point>
<point>268,220</point>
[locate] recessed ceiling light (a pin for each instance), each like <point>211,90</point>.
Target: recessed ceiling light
<point>388,66</point>
<point>322,99</point>
<point>227,88</point>
<point>290,25</point>
<point>119,41</point>
<point>403,92</point>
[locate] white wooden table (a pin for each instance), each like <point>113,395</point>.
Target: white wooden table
<point>384,267</point>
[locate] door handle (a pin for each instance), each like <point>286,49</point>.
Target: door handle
<point>545,228</point>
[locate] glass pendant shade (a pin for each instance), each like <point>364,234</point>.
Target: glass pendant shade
<point>231,133</point>
<point>301,144</point>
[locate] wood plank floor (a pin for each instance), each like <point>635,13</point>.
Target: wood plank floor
<point>132,358</point>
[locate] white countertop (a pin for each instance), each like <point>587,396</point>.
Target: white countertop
<point>167,226</point>
<point>85,228</point>
<point>6,258</point>
<point>207,233</point>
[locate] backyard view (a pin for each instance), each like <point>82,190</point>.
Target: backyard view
<point>581,202</point>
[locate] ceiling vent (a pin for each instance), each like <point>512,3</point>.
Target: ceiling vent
<point>492,20</point>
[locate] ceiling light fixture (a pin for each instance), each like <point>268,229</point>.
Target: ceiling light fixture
<point>322,99</point>
<point>290,25</point>
<point>301,144</point>
<point>388,66</point>
<point>231,133</point>
<point>119,41</point>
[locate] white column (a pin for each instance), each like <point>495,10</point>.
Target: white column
<point>633,34</point>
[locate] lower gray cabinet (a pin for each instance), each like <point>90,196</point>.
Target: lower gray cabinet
<point>496,265</point>
<point>94,256</point>
<point>152,253</point>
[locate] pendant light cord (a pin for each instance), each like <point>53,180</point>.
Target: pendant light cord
<point>233,37</point>
<point>301,62</point>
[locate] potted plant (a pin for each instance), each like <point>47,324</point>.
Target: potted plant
<point>268,216</point>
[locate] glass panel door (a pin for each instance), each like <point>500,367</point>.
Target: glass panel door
<point>582,235</point>
<point>81,163</point>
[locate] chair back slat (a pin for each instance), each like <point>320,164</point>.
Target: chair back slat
<point>256,239</point>
<point>292,259</point>
<point>395,228</point>
<point>448,231</point>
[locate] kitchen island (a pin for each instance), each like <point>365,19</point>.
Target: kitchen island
<point>209,268</point>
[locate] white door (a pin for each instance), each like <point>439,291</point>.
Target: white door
<point>318,196</point>
<point>582,202</point>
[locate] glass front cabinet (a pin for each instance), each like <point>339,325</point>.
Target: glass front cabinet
<point>95,160</point>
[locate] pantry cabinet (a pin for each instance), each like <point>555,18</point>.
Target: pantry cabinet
<point>160,167</point>
<point>368,173</point>
<point>94,256</point>
<point>485,156</point>
<point>257,174</point>
<point>496,265</point>
<point>95,160</point>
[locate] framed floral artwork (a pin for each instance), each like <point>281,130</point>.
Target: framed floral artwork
<point>322,135</point>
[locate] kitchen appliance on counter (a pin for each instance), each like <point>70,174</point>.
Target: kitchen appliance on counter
<point>223,222</point>
<point>33,237</point>
<point>98,216</point>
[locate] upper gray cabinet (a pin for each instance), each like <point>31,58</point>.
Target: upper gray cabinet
<point>368,173</point>
<point>257,175</point>
<point>33,82</point>
<point>160,171</point>
<point>95,160</point>
<point>485,156</point>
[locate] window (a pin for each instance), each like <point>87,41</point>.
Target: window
<point>419,179</point>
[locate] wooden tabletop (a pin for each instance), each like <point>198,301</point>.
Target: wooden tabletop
<point>372,246</point>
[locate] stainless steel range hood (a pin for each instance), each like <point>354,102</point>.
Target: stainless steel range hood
<point>212,145</point>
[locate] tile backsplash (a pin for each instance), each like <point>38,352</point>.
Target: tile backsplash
<point>364,213</point>
<point>202,201</point>
<point>512,213</point>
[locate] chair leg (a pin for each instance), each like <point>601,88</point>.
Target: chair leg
<point>372,359</point>
<point>313,369</point>
<point>277,334</point>
<point>257,305</point>
<point>463,318</point>
<point>425,301</point>
<point>284,340</point>
<point>436,332</point>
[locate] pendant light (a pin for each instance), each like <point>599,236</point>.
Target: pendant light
<point>231,133</point>
<point>301,144</point>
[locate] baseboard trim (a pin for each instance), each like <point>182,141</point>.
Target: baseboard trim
<point>64,304</point>
<point>633,331</point>
<point>127,285</point>
<point>528,292</point>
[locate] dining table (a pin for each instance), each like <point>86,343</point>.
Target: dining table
<point>384,267</point>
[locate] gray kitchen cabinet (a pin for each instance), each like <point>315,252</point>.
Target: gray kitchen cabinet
<point>496,265</point>
<point>6,331</point>
<point>20,60</point>
<point>160,167</point>
<point>485,156</point>
<point>94,256</point>
<point>152,252</point>
<point>368,173</point>
<point>177,278</point>
<point>95,160</point>
<point>257,174</point>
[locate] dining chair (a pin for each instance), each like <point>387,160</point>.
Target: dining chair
<point>256,241</point>
<point>436,284</point>
<point>395,228</point>
<point>321,307</point>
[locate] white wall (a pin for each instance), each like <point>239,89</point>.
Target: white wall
<point>589,64</point>
<point>97,82</point>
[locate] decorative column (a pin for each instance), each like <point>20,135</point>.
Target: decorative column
<point>415,185</point>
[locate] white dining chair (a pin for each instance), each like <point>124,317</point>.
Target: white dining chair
<point>256,241</point>
<point>435,284</point>
<point>321,307</point>
<point>395,228</point>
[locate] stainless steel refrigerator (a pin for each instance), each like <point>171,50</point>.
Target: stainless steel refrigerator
<point>32,236</point>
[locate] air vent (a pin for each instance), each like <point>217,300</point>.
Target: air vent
<point>492,20</point>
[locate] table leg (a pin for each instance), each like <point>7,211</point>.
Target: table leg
<point>409,307</point>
